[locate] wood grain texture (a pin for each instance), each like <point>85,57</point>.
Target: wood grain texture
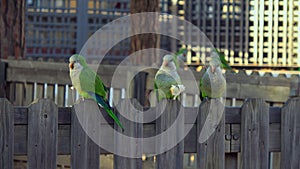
<point>169,158</point>
<point>290,134</point>
<point>6,134</point>
<point>210,135</point>
<point>42,134</point>
<point>254,134</point>
<point>232,118</point>
<point>84,151</point>
<point>131,108</point>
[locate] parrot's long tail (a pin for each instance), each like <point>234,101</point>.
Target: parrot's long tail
<point>104,104</point>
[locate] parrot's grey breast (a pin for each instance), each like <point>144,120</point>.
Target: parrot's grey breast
<point>214,84</point>
<point>75,78</point>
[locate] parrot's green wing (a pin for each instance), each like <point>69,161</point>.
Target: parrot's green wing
<point>90,82</point>
<point>202,92</point>
<point>224,63</point>
<point>163,83</point>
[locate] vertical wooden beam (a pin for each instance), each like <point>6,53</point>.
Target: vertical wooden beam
<point>6,134</point>
<point>133,130</point>
<point>42,134</point>
<point>211,134</point>
<point>140,82</point>
<point>12,21</point>
<point>255,134</point>
<point>3,67</point>
<point>290,134</point>
<point>84,152</point>
<point>172,158</point>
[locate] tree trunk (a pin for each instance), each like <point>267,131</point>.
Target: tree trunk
<point>12,37</point>
<point>144,41</point>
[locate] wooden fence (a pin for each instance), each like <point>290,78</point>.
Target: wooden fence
<point>26,81</point>
<point>245,138</point>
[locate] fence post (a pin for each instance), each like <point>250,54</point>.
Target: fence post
<point>140,82</point>
<point>84,152</point>
<point>42,134</point>
<point>255,134</point>
<point>290,134</point>
<point>3,91</point>
<point>211,135</point>
<point>6,134</point>
<point>132,129</point>
<point>172,158</point>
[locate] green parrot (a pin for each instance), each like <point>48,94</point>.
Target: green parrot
<point>167,81</point>
<point>89,85</point>
<point>213,83</point>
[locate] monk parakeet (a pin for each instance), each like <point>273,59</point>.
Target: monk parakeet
<point>89,85</point>
<point>213,83</point>
<point>167,81</point>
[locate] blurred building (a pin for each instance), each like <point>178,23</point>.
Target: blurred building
<point>254,33</point>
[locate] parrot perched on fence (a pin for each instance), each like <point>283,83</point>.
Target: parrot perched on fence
<point>213,83</point>
<point>89,85</point>
<point>167,80</point>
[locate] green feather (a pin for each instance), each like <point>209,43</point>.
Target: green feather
<point>224,63</point>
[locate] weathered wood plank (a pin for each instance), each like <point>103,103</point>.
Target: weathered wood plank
<point>170,114</point>
<point>28,93</point>
<point>131,108</point>
<point>84,152</point>
<point>290,135</point>
<point>254,134</point>
<point>231,161</point>
<point>3,79</point>
<point>210,135</point>
<point>238,84</point>
<point>42,134</point>
<point>6,134</point>
<point>232,118</point>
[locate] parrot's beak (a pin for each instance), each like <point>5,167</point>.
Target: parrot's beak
<point>165,63</point>
<point>71,65</point>
<point>213,69</point>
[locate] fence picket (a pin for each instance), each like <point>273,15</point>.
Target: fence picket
<point>42,134</point>
<point>6,134</point>
<point>134,130</point>
<point>172,158</point>
<point>211,149</point>
<point>84,152</point>
<point>290,134</point>
<point>255,134</point>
